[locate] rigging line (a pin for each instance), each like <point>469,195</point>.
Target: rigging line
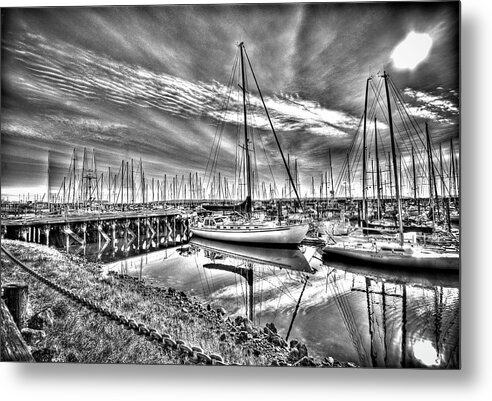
<point>221,123</point>
<point>411,118</point>
<point>280,288</point>
<point>341,172</point>
<point>199,275</point>
<point>420,157</point>
<point>277,308</point>
<point>273,129</point>
<point>266,156</point>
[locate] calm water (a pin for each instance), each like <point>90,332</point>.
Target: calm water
<point>372,317</point>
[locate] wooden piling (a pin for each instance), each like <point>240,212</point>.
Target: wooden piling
<point>16,296</point>
<point>13,348</point>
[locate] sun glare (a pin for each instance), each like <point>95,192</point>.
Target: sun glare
<point>413,50</point>
<point>425,352</point>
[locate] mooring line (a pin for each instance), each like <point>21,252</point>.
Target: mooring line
<point>193,354</point>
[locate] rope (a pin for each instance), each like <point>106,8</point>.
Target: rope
<point>192,354</point>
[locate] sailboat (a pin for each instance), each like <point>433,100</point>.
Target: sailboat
<point>378,252</point>
<point>247,230</point>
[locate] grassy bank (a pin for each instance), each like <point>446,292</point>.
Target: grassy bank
<point>72,333</point>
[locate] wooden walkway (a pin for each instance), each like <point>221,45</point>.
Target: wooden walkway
<point>86,217</point>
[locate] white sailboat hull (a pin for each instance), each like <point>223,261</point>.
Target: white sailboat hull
<point>288,235</point>
<point>423,260</point>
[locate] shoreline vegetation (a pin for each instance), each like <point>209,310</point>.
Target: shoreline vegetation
<point>60,330</point>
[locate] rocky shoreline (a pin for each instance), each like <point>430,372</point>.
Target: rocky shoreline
<point>60,331</point>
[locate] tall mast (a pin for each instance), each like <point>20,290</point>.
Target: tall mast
<point>432,176</point>
<point>395,167</point>
<point>49,183</point>
<point>331,175</point>
<point>364,167</point>
<point>73,194</point>
<point>415,181</point>
<point>246,146</point>
<point>348,173</point>
<point>378,173</point>
<point>441,167</point>
<point>453,166</point>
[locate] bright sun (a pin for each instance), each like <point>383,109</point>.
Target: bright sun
<point>414,49</point>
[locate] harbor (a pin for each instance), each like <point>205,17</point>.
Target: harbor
<point>208,212</point>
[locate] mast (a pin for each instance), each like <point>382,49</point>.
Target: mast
<point>133,185</point>
<point>49,183</point>
<point>348,173</point>
<point>395,167</point>
<point>326,185</point>
<point>452,169</point>
<point>378,173</point>
<point>441,167</point>
<point>364,156</point>
<point>331,175</point>
<point>432,177</point>
<point>415,181</point>
<point>246,147</point>
<point>73,194</point>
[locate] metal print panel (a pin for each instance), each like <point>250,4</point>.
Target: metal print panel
<point>262,185</point>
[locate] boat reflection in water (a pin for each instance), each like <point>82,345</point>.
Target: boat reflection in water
<point>373,317</point>
<point>411,318</point>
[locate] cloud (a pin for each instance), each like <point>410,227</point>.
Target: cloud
<point>430,106</point>
<point>63,72</point>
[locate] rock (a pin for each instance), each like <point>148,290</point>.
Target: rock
<point>278,341</point>
<point>271,327</point>
<point>267,331</point>
<point>33,336</point>
<point>248,325</point>
<point>303,351</point>
<point>184,310</point>
<point>293,343</point>
<point>209,307</point>
<point>243,336</point>
<point>351,364</point>
<point>238,320</point>
<point>294,354</point>
<point>305,361</point>
<point>221,311</point>
<point>41,320</point>
<point>222,337</point>
<point>44,354</point>
<point>329,361</point>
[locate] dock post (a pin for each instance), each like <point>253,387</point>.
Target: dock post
<point>47,235</point>
<point>127,225</point>
<point>138,234</point>
<point>158,221</point>
<point>99,228</point>
<point>174,230</point>
<point>113,226</point>
<point>16,297</point>
<point>67,237</point>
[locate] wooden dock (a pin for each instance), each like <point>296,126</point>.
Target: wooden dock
<point>85,217</point>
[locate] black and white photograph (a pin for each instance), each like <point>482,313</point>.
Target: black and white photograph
<point>263,185</point>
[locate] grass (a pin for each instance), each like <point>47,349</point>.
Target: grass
<point>80,335</point>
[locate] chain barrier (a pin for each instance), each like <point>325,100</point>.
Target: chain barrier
<point>192,354</point>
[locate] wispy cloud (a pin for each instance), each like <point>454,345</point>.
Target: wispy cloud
<point>62,71</point>
<point>430,106</point>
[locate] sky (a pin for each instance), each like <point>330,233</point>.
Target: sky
<point>151,83</point>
